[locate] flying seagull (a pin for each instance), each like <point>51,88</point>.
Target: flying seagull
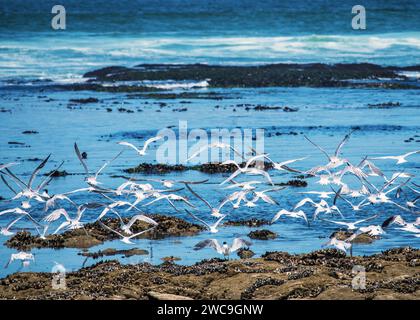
<point>210,227</point>
<point>25,257</point>
<point>400,159</point>
<point>334,160</point>
<point>350,225</point>
<point>126,239</point>
<point>141,152</point>
<point>292,214</point>
<point>224,249</point>
<point>92,180</point>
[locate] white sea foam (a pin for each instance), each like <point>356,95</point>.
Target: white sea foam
<point>169,85</point>
<point>75,55</point>
<point>410,74</point>
<point>164,85</point>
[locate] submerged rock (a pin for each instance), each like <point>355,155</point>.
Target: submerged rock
<point>171,259</point>
<point>211,168</point>
<point>262,234</point>
<point>16,143</point>
<point>248,223</point>
<point>113,252</point>
<point>385,105</point>
<point>84,100</point>
<point>293,183</point>
<point>217,167</point>
<point>245,253</point>
<point>156,168</point>
<point>57,173</point>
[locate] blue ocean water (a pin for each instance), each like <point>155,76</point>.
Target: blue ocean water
<point>104,33</point>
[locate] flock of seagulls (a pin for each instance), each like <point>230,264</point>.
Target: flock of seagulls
<point>62,212</point>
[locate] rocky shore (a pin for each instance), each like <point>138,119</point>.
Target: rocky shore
<point>270,75</point>
<point>209,168</point>
<point>324,274</point>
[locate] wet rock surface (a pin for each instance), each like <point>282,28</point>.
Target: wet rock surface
<point>245,253</point>
<point>262,234</point>
<point>323,274</point>
<point>84,100</point>
<point>271,75</point>
<point>297,183</point>
<point>247,223</point>
<point>57,173</point>
<point>217,167</point>
<point>155,168</point>
<point>210,168</point>
<point>113,252</point>
<point>171,259</point>
<point>93,233</point>
<point>389,104</point>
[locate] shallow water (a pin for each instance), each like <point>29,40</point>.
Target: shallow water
<point>325,115</point>
<point>102,33</point>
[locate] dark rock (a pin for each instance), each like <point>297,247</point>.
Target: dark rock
<point>93,233</point>
<point>57,173</point>
<point>217,167</point>
<point>156,168</point>
<point>248,223</point>
<point>16,143</point>
<point>263,108</point>
<point>113,252</point>
<point>385,105</point>
<point>125,110</point>
<point>294,183</point>
<point>247,294</point>
<point>245,253</point>
<point>84,100</point>
<point>271,75</point>
<point>288,109</point>
<point>262,234</point>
